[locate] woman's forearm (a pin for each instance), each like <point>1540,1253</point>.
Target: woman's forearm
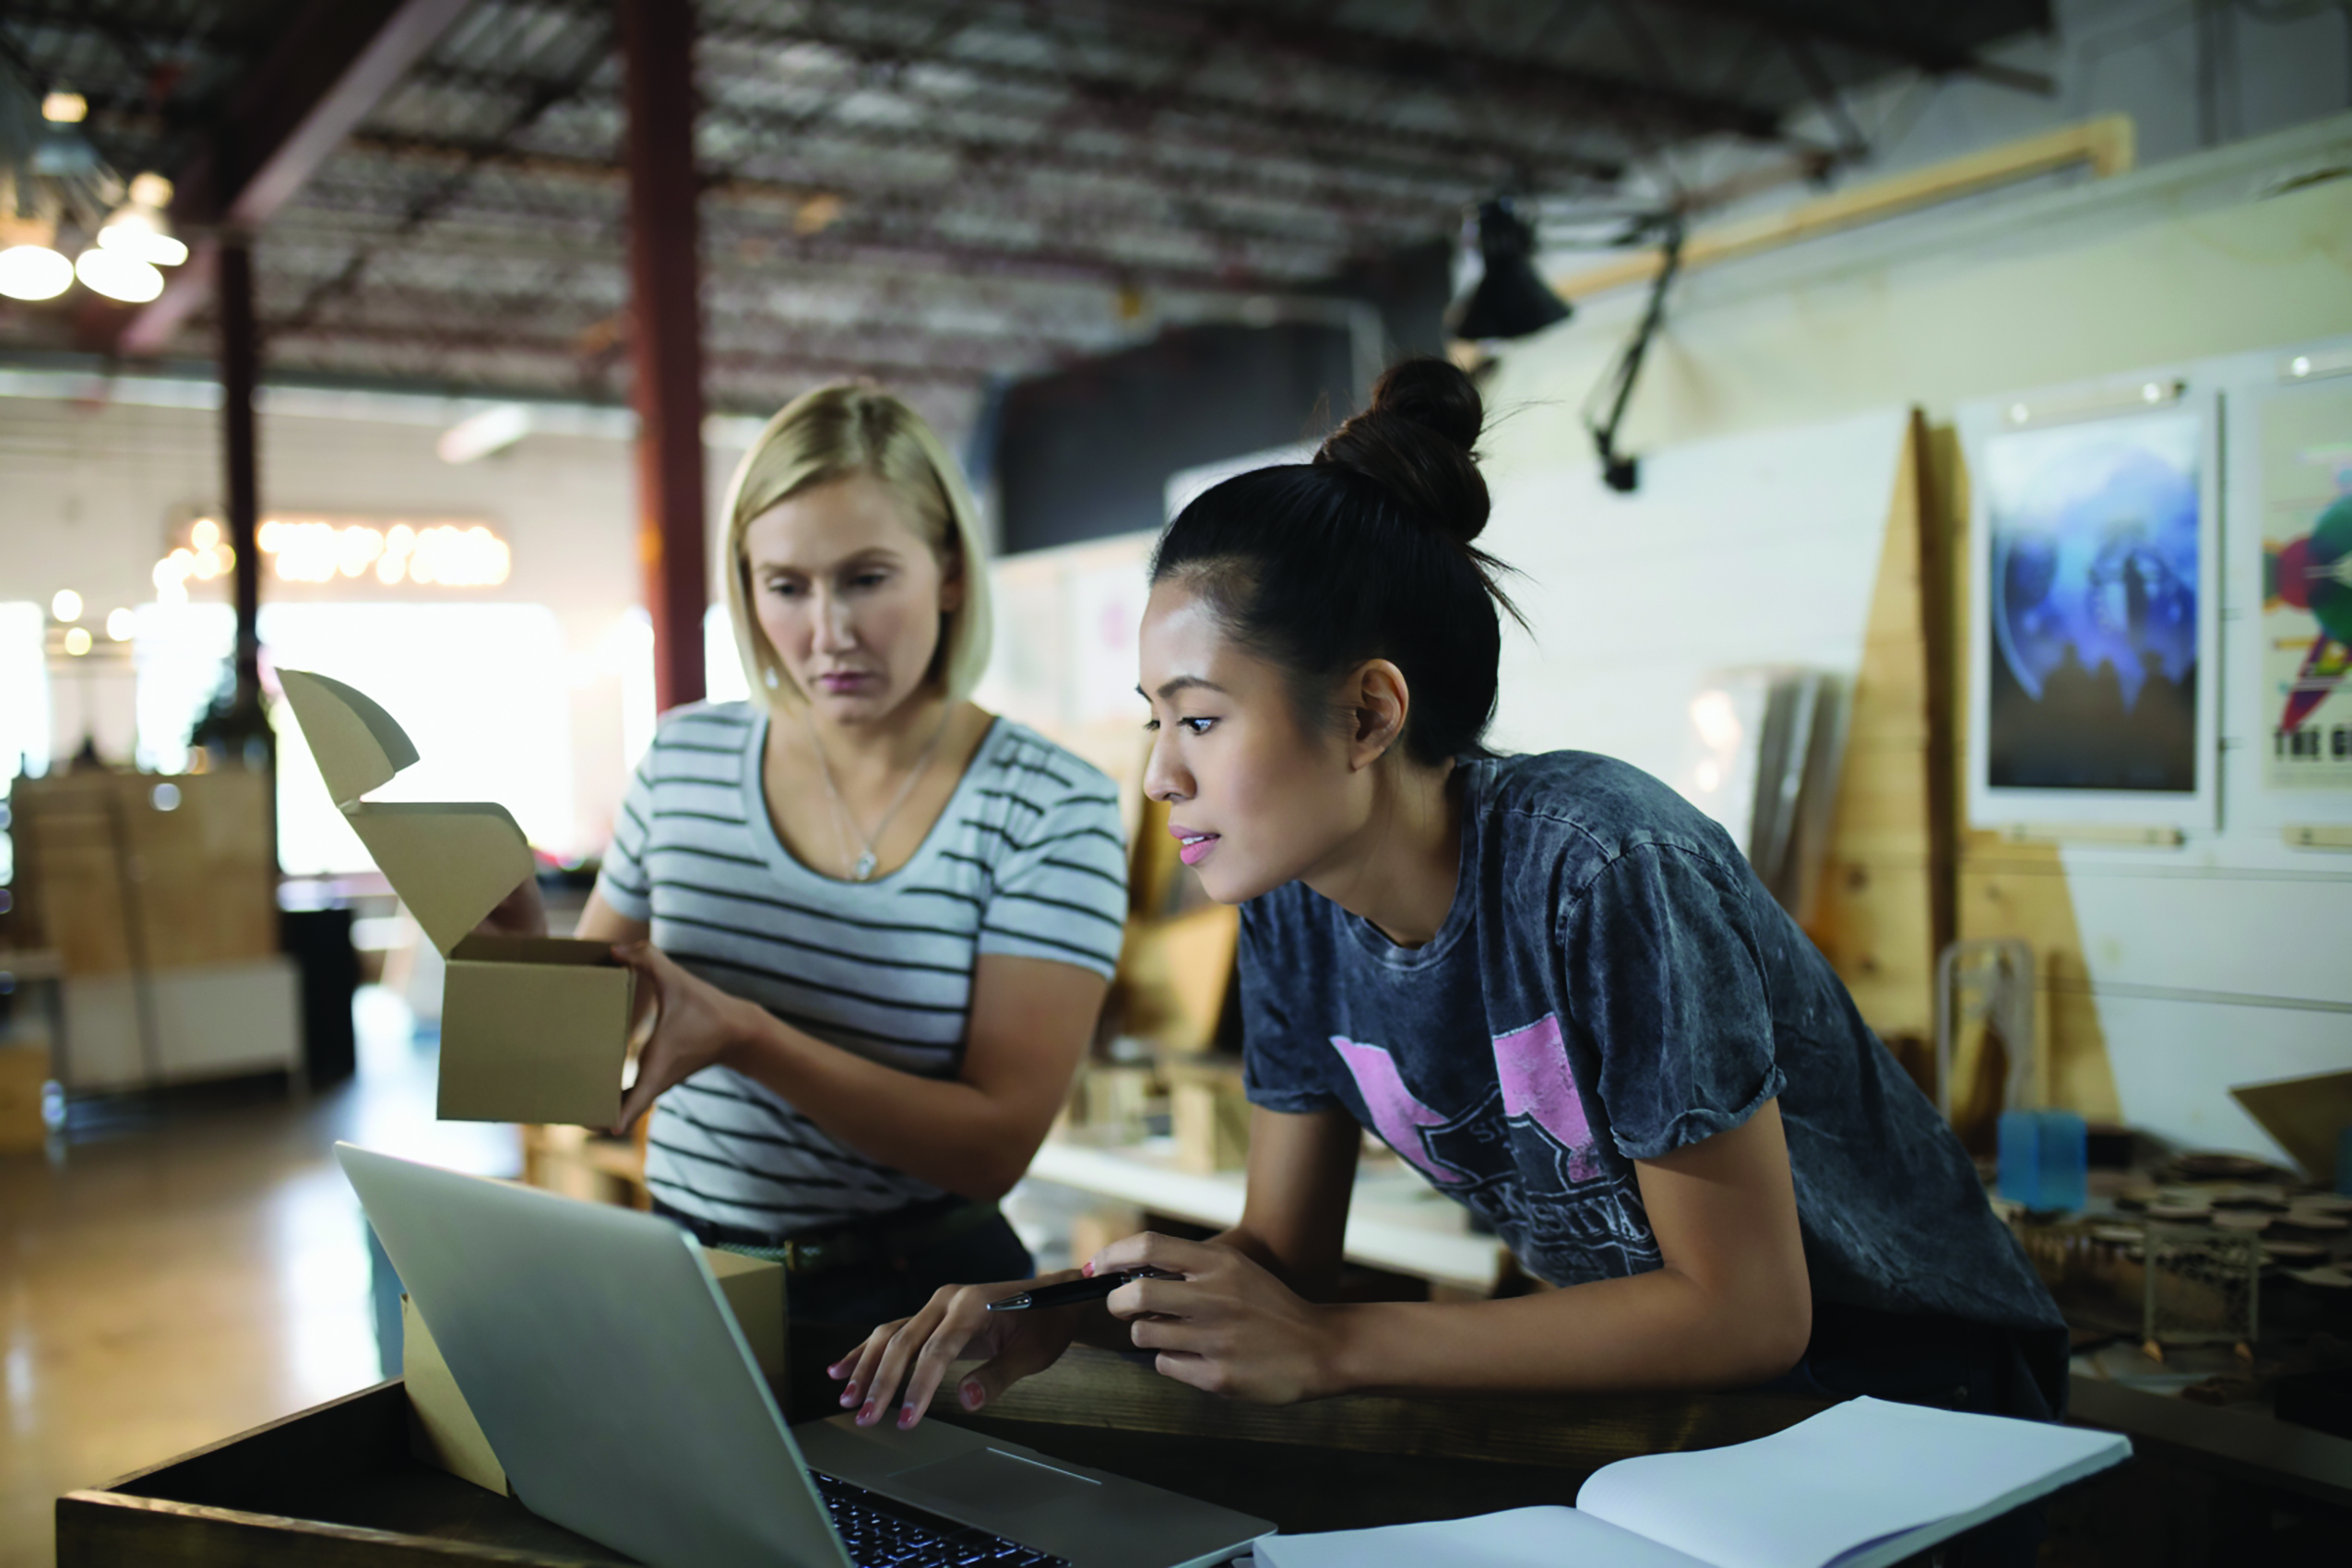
<point>943,1130</point>
<point>1648,1331</point>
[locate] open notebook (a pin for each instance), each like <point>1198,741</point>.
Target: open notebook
<point>1862,1484</point>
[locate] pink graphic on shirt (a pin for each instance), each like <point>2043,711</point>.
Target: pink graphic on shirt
<point>1397,1115</point>
<point>1538,1085</point>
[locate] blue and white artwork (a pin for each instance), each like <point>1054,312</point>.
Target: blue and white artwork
<point>2094,567</point>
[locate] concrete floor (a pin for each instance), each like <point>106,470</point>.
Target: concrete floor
<point>181,1270</point>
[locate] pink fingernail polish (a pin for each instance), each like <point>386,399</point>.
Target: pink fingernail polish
<point>971,1393</point>
<point>1088,1269</point>
<point>906,1417</point>
<point>865,1414</point>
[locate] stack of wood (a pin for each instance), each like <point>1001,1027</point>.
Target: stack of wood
<point>158,898</point>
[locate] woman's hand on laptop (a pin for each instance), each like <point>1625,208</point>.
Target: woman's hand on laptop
<point>1228,1325</point>
<point>916,1352</point>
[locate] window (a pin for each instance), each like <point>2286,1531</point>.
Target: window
<point>483,689</point>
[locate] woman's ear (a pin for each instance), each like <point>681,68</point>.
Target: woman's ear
<point>1380,702</point>
<point>951,585</point>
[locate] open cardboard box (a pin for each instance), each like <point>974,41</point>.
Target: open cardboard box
<point>532,1028</point>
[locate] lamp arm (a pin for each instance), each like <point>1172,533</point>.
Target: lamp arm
<point>1622,473</point>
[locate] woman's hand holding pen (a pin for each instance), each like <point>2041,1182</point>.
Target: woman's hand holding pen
<point>915,1352</point>
<point>1226,1325</point>
<point>1217,1320</point>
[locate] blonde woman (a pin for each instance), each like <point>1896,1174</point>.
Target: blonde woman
<point>879,921</point>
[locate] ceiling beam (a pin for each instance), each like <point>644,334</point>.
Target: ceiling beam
<point>1063,258</point>
<point>1287,183</point>
<point>924,204</point>
<point>1885,36</point>
<point>600,328</point>
<point>783,359</point>
<point>782,156</point>
<point>1257,127</point>
<point>1031,307</point>
<point>1421,62</point>
<point>331,66</point>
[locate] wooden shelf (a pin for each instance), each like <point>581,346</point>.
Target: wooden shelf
<point>1395,1221</point>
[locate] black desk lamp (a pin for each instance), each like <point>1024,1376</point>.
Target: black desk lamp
<point>1509,300</point>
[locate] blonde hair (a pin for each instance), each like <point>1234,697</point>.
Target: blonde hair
<point>838,432</point>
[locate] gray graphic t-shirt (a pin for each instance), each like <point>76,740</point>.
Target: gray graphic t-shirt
<point>1611,983</point>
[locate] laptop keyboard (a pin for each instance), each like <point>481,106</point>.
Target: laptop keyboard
<point>882,1532</point>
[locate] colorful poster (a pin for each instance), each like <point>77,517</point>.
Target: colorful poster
<point>2094,572</point>
<point>2307,588</point>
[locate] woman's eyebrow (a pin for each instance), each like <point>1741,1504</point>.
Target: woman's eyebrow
<point>1183,683</point>
<point>872,555</point>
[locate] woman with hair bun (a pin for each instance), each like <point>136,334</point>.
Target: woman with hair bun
<point>1550,983</point>
<point>878,920</point>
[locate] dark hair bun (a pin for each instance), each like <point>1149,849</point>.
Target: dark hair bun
<point>1416,442</point>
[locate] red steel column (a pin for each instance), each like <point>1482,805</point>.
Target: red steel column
<point>240,374</point>
<point>665,336</point>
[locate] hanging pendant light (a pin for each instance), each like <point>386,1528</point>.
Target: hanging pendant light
<point>118,277</point>
<point>1510,300</point>
<point>140,228</point>
<point>62,151</point>
<point>51,178</point>
<point>34,272</point>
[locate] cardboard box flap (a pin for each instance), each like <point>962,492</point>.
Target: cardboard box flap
<point>2306,1115</point>
<point>357,746</point>
<point>450,864</point>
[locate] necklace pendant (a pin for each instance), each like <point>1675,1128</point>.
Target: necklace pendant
<point>863,870</point>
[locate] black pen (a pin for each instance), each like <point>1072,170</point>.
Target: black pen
<point>1075,1291</point>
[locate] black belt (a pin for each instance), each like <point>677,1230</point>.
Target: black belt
<point>852,1244</point>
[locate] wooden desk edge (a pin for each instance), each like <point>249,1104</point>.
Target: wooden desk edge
<point>2252,1447</point>
<point>1090,1387</point>
<point>105,1527</point>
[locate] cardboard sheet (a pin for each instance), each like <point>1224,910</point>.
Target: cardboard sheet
<point>2306,1115</point>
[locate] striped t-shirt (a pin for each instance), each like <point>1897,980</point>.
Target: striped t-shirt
<point>1028,859</point>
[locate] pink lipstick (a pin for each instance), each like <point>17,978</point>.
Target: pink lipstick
<point>1196,846</point>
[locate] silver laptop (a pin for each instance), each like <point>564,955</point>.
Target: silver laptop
<point>596,1353</point>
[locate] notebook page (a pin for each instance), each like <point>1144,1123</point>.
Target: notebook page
<point>1517,1537</point>
<point>1859,1473</point>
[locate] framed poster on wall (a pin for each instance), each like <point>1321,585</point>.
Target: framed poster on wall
<point>2093,623</point>
<point>2290,439</point>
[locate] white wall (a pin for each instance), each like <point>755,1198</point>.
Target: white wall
<point>2248,73</point>
<point>2200,960</point>
<point>1742,550</point>
<point>2192,76</point>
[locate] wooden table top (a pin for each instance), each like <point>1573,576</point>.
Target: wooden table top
<point>337,1486</point>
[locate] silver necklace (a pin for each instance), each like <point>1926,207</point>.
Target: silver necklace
<point>861,865</point>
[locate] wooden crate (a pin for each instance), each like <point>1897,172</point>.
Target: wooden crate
<point>24,1075</point>
<point>134,871</point>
